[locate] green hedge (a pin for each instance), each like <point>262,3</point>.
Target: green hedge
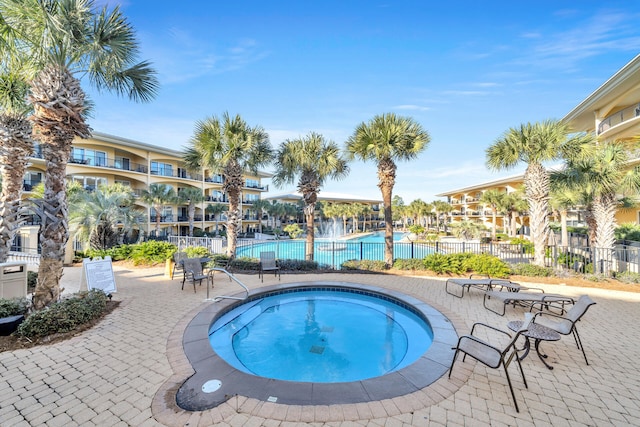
<point>13,307</point>
<point>64,316</point>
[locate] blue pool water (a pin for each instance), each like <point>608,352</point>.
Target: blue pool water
<point>320,335</point>
<point>335,252</point>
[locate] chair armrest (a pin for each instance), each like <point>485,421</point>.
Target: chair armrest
<point>490,327</point>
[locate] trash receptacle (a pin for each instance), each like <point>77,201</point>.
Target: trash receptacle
<point>13,280</point>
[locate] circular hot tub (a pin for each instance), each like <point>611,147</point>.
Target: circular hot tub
<point>317,343</point>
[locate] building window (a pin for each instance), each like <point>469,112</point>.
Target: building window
<point>89,183</point>
<point>162,169</point>
<point>123,163</point>
<point>88,157</point>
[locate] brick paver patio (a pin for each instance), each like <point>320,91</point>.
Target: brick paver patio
<point>124,371</point>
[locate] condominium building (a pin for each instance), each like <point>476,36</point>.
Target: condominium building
<point>612,112</point>
<point>106,159</point>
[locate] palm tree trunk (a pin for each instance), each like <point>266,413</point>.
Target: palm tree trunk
<point>233,222</point>
<point>58,102</point>
<point>386,181</point>
<point>564,232</point>
<point>192,214</point>
<point>157,209</point>
<point>308,214</point>
<point>16,146</point>
<point>494,222</point>
<point>536,182</point>
<point>604,210</point>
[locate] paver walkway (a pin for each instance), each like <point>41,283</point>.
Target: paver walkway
<point>117,374</point>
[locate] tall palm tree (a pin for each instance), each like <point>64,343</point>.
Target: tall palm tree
<point>64,39</point>
<point>229,147</point>
<point>16,145</point>
<point>386,139</point>
<point>191,196</point>
<point>310,160</point>
<point>216,209</point>
<point>535,144</point>
<point>493,198</point>
<point>607,177</point>
<point>156,196</point>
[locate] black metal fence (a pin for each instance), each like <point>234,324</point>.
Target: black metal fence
<point>621,258</point>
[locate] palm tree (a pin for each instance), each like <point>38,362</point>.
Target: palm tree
<point>62,40</point>
<point>276,210</point>
<point>560,201</point>
<point>534,144</point>
<point>385,140</point>
<point>16,145</point>
<point>216,209</point>
<point>96,215</point>
<point>494,198</point>
<point>191,196</point>
<point>260,207</point>
<point>310,160</point>
<point>156,196</point>
<point>441,207</point>
<point>606,176</point>
<point>229,147</point>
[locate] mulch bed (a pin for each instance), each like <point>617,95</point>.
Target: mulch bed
<point>11,342</point>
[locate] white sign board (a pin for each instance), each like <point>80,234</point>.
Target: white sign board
<point>98,274</point>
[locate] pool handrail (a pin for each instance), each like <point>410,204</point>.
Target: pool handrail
<point>232,277</point>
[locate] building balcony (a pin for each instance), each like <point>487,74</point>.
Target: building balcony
<point>163,218</point>
<point>216,199</point>
<point>106,162</point>
<point>619,117</point>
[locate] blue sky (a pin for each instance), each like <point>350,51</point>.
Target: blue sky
<point>465,70</point>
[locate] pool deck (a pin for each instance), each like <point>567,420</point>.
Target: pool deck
<point>125,371</point>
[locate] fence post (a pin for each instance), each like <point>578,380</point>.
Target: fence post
<point>412,251</point>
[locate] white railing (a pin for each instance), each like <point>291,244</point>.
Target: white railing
<point>24,257</point>
<point>213,244</point>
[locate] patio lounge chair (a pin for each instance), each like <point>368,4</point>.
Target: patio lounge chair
<point>479,282</point>
<point>193,272</point>
<point>268,262</point>
<point>526,299</point>
<point>491,355</point>
<point>566,324</point>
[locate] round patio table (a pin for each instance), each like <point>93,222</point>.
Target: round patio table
<point>537,333</point>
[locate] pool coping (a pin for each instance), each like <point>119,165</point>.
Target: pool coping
<point>207,365</point>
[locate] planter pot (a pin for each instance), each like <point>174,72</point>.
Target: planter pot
<point>9,324</point>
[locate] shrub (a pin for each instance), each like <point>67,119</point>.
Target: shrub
<point>628,231</point>
<point>196,252</point>
<point>152,252</point>
<point>13,307</point>
<point>487,264</point>
<point>447,264</point>
<point>365,265</point>
<point>64,316</point>
<point>409,264</point>
<point>297,265</point>
<point>531,270</point>
<point>245,263</point>
<point>527,245</point>
<point>628,277</point>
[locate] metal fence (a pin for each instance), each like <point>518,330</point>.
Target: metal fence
<point>621,258</point>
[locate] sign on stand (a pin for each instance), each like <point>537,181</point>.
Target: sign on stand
<point>97,273</point>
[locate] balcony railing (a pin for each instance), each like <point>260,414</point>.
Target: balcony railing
<point>163,218</point>
<point>180,174</point>
<point>214,179</point>
<point>619,117</point>
<point>216,199</point>
<point>257,187</point>
<point>107,162</point>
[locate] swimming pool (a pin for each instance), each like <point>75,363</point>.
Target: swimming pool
<point>322,335</point>
<point>334,252</point>
<point>215,380</point>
